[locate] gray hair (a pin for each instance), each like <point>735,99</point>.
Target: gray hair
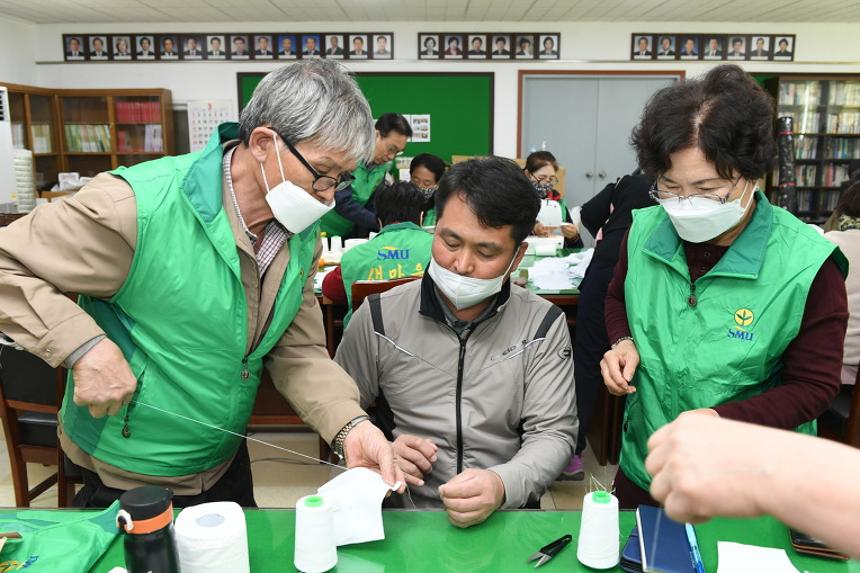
<point>315,101</point>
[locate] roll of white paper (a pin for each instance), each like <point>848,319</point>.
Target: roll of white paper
<point>350,243</point>
<point>212,537</point>
<point>545,249</point>
<point>336,244</point>
<point>598,533</point>
<point>316,551</point>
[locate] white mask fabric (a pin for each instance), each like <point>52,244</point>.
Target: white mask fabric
<point>356,497</point>
<point>698,219</point>
<point>292,206</point>
<point>464,292</point>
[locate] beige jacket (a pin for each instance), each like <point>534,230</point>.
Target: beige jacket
<point>85,245</point>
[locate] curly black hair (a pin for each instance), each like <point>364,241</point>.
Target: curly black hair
<point>726,114</point>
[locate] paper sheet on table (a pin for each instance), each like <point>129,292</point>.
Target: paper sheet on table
<point>356,496</point>
<point>550,274</point>
<point>740,558</point>
<point>550,213</point>
<point>579,263</point>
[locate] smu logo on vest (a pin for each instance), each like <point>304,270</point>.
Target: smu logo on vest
<point>9,566</point>
<point>743,318</point>
<point>392,254</point>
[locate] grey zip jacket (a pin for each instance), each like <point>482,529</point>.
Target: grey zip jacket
<point>500,396</point>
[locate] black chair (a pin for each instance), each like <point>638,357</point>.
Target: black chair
<point>31,393</point>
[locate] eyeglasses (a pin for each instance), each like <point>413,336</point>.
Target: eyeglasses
<point>714,194</point>
<point>550,179</point>
<point>321,182</point>
<point>394,151</point>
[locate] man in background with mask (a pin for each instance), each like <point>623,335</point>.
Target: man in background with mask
<point>194,273</point>
<point>721,304</point>
<point>471,376</point>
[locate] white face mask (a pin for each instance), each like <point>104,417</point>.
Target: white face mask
<point>699,219</point>
<point>292,206</point>
<point>464,292</point>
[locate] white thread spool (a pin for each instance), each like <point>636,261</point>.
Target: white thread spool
<point>336,244</point>
<point>316,551</point>
<point>212,537</point>
<point>598,533</point>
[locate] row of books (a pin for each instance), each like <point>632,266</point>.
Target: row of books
<point>19,140</point>
<point>799,93</point>
<point>805,175</point>
<point>87,138</point>
<point>843,148</point>
<point>151,140</point>
<point>844,122</point>
<point>40,134</point>
<point>804,147</point>
<point>835,175</point>
<point>817,201</point>
<point>138,112</point>
<point>844,93</point>
<point>806,122</point>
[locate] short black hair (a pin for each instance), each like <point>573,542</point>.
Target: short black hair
<point>497,192</point>
<point>399,203</point>
<point>389,122</point>
<point>432,163</point>
<point>849,201</point>
<point>726,114</point>
<point>783,41</point>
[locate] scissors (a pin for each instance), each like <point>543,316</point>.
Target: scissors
<point>550,550</point>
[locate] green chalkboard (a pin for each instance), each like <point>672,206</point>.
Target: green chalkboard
<point>460,106</point>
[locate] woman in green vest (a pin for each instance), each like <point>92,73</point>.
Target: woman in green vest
<point>425,171</point>
<point>400,250</point>
<point>353,214</point>
<point>721,304</point>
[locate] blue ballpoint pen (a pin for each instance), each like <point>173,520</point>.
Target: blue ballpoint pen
<point>694,548</point>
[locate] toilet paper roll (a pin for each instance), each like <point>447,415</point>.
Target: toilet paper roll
<point>212,537</point>
<point>545,249</point>
<point>598,533</point>
<point>336,244</point>
<point>316,551</point>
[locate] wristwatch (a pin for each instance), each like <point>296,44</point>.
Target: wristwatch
<point>337,443</point>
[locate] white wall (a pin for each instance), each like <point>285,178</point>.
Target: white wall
<point>821,48</point>
<point>17,52</point>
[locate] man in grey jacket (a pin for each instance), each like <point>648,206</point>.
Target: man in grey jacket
<point>472,377</point>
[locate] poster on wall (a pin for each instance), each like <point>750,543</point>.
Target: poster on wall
<point>204,116</point>
<point>482,46</point>
<point>226,47</point>
<point>420,128</point>
<point>725,47</point>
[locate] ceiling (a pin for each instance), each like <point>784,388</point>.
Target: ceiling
<point>88,11</point>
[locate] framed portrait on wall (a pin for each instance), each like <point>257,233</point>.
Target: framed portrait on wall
<point>144,47</point>
<point>310,45</point>
<point>168,48</point>
<point>73,48</point>
<point>121,48</point>
<point>666,47</point>
<point>759,48</point>
<point>453,47</point>
<point>642,48</point>
<point>689,49</point>
<point>477,47</point>
<point>192,46</point>
<point>713,47</point>
<point>263,47</point>
<point>334,48</point>
<point>524,48</point>
<point>783,48</point>
<point>239,47</point>
<point>286,46</point>
<point>357,47</point>
<point>382,47</point>
<point>98,48</point>
<point>549,48</point>
<point>501,47</point>
<point>428,47</point>
<point>215,47</point>
<point>737,48</point>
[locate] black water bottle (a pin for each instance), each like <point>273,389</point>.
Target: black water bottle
<point>146,518</point>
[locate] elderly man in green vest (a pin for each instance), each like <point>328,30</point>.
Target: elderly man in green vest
<point>400,250</point>
<point>195,273</point>
<point>353,215</point>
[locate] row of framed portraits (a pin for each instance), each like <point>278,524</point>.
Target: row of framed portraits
<point>484,46</point>
<point>749,47</point>
<point>226,47</point>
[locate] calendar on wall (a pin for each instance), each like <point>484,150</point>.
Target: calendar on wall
<point>204,116</point>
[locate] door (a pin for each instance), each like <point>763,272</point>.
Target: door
<point>585,121</point>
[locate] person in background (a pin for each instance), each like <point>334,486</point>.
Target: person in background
<point>472,377</point>
<point>425,172</point>
<point>847,236</point>
<point>704,467</point>
<point>608,215</point>
<point>224,246</point>
<point>720,302</point>
<point>353,213</point>
<point>400,250</point>
<point>541,169</point>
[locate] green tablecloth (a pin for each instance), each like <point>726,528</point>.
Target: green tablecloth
<point>422,541</point>
<point>529,261</point>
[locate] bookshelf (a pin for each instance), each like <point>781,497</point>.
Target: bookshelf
<point>89,131</point>
<point>826,113</point>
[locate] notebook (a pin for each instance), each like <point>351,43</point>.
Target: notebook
<point>663,543</point>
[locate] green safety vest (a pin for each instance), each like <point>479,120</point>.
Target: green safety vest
<point>729,345</point>
<point>181,321</point>
<point>429,218</point>
<point>333,224</point>
<point>398,251</point>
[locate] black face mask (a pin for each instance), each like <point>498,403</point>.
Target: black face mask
<point>542,188</point>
